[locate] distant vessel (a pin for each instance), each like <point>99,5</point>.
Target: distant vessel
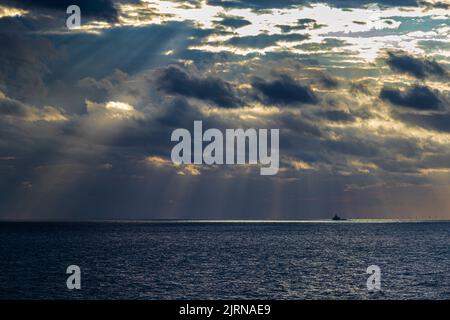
<point>337,218</point>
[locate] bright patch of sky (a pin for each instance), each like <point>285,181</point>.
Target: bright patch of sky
<point>366,30</point>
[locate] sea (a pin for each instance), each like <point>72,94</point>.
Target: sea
<point>225,259</point>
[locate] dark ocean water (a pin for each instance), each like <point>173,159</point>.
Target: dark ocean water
<point>225,260</point>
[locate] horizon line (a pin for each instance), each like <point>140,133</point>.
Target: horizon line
<point>356,220</point>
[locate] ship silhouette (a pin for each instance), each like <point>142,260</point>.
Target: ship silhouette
<point>337,218</point>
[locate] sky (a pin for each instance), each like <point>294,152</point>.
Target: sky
<point>358,89</point>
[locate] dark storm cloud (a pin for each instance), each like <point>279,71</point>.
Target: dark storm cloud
<point>179,113</point>
<point>284,90</point>
<point>298,126</point>
<point>23,59</point>
<point>10,107</point>
<point>174,80</point>
<point>417,97</point>
<point>437,122</point>
<point>234,22</point>
<point>264,40</point>
<point>437,160</point>
<point>419,68</point>
<point>407,147</point>
<point>102,9</point>
<point>327,82</point>
<point>336,116</point>
<point>355,146</point>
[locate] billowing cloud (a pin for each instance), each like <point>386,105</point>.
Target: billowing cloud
<point>419,68</point>
<point>416,97</point>
<point>284,90</point>
<point>17,109</point>
<point>174,80</point>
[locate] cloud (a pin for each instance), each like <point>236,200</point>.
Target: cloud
<point>416,67</point>
<point>326,44</point>
<point>270,4</point>
<point>233,22</point>
<point>113,110</point>
<point>416,97</point>
<point>264,40</point>
<point>284,90</point>
<point>109,83</point>
<point>117,85</point>
<point>175,80</point>
<point>336,116</point>
<point>17,109</point>
<point>435,5</point>
<point>436,122</point>
<point>181,169</point>
<point>10,107</point>
<point>302,24</point>
<point>327,82</point>
<point>178,113</point>
<point>300,165</point>
<point>23,60</point>
<point>101,9</point>
<point>354,146</point>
